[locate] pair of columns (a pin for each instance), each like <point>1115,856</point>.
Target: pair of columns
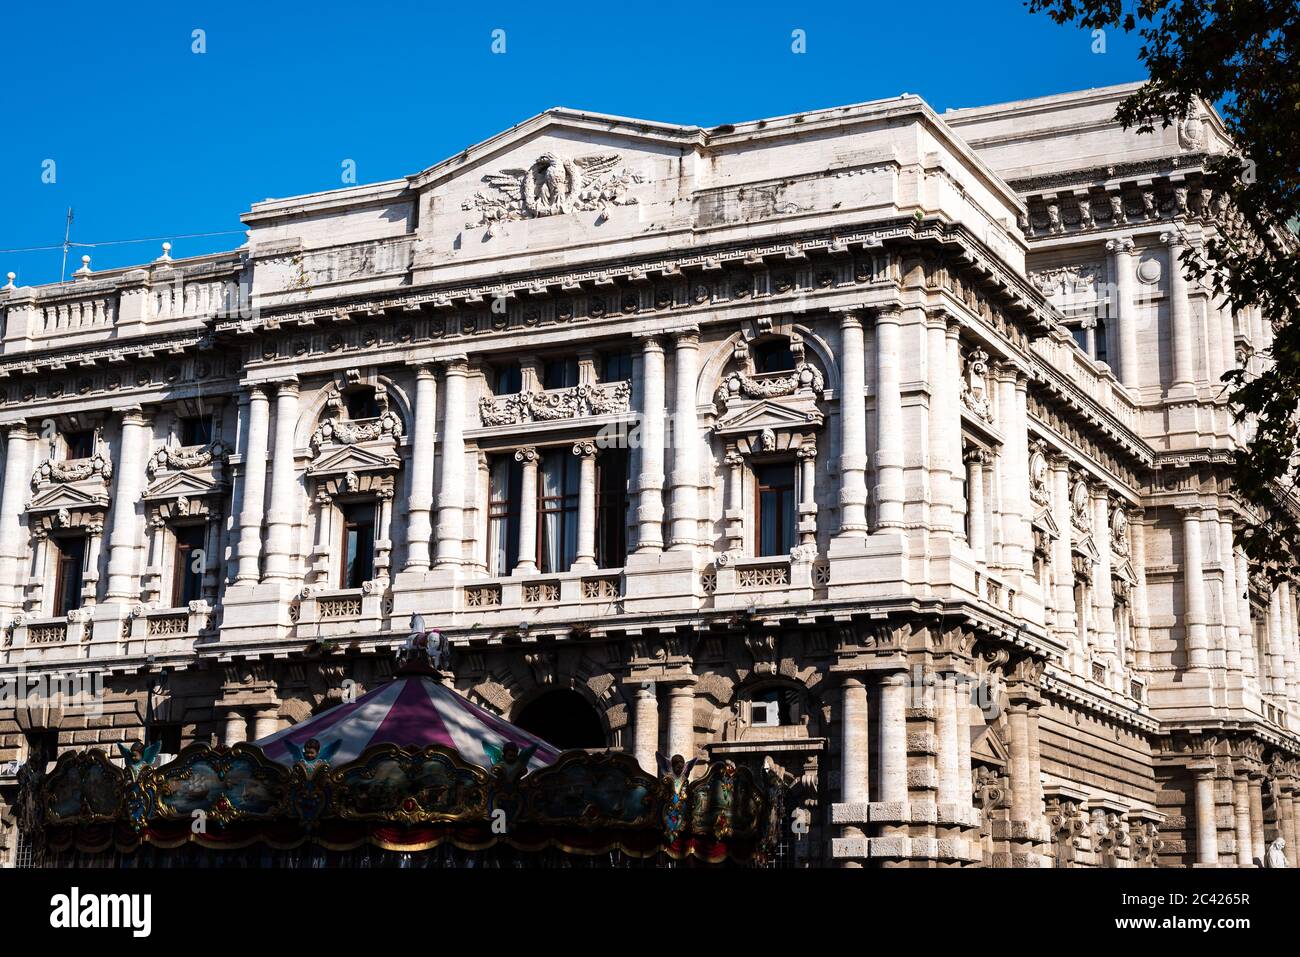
<point>1182,334</point>
<point>684,479</point>
<point>282,511</point>
<point>645,722</point>
<point>585,557</point>
<point>266,722</point>
<point>1248,816</point>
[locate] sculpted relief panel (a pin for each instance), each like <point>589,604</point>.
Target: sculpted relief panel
<point>552,185</point>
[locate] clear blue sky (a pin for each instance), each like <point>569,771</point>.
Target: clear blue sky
<point>153,140</point>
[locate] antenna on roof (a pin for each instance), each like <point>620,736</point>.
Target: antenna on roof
<point>67,234</point>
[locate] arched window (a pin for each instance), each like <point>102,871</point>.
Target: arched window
<point>773,355</point>
<point>563,718</point>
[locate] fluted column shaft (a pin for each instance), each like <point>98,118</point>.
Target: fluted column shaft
<point>1198,655</point>
<point>853,428</point>
<point>1123,317</point>
<point>253,476</point>
<point>645,727</point>
<point>419,526</point>
<point>889,420</point>
<point>650,506</point>
<point>686,464</point>
<point>527,563</point>
<point>283,511</point>
<point>1180,315</point>
<point>123,578</point>
<point>13,502</point>
<point>451,480</point>
<point>586,552</point>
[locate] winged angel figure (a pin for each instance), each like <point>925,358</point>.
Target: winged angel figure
<point>552,186</point>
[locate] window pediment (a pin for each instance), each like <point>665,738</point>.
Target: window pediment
<point>367,458</point>
<point>794,414</point>
<point>199,483</point>
<point>72,497</point>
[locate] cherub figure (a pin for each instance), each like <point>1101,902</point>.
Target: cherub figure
<point>676,774</point>
<point>311,757</point>
<point>508,762</point>
<point>137,757</point>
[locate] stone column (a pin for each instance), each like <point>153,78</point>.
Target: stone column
<point>1124,317</point>
<point>451,481</point>
<point>853,428</point>
<point>1141,619</point>
<point>965,783</point>
<point>952,375</point>
<point>1257,815</point>
<point>285,505</point>
<point>650,505</point>
<point>527,563</point>
<point>265,723</point>
<point>854,743</point>
<point>1241,817</point>
<point>1231,632</point>
<point>1288,639</point>
<point>1207,833</point>
<point>13,502</point>
<point>1103,599</point>
<point>1276,651</point>
<point>1286,801</point>
<point>236,728</point>
<point>1026,803</point>
<point>807,456</point>
<point>585,559</point>
<point>1012,463</point>
<point>686,464</point>
<point>950,785</point>
<point>123,580</point>
<point>253,476</point>
<point>1063,555</point>
<point>940,425</point>
<point>419,526</point>
<point>976,459</point>
<point>1245,624</point>
<point>893,740</point>
<point>1198,655</point>
<point>735,513</point>
<point>645,727</point>
<point>889,420</point>
<point>681,720</point>
<point>1180,315</point>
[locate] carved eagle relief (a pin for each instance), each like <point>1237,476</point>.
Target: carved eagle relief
<point>550,186</point>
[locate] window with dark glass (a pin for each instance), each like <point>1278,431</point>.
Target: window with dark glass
<point>774,355</point>
<point>611,508</point>
<point>79,445</point>
<point>358,544</point>
<point>776,508</point>
<point>167,734</point>
<point>560,373</point>
<point>616,367</point>
<point>187,565</point>
<point>361,404</point>
<point>505,483</point>
<point>508,379</point>
<point>557,510</point>
<point>1080,337</point>
<point>69,568</point>
<point>1099,337</point>
<point>196,430</point>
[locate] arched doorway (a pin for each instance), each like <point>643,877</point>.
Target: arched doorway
<point>563,718</point>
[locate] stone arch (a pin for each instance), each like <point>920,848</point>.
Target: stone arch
<point>562,716</point>
<point>817,350</point>
<point>312,412</point>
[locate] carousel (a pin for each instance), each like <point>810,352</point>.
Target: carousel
<point>411,774</point>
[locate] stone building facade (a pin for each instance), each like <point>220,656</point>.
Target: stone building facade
<point>882,446</point>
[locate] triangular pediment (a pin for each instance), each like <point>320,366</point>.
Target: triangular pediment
<point>353,458</point>
<point>1043,520</point>
<point>68,496</point>
<point>193,484</point>
<point>770,414</point>
<point>1086,547</point>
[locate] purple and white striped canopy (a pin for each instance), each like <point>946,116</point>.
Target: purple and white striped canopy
<point>410,711</point>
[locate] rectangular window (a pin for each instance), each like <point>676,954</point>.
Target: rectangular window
<point>69,568</point>
<point>560,373</point>
<point>611,508</point>
<point>776,508</point>
<point>358,544</point>
<point>166,734</point>
<point>616,367</point>
<point>508,380</point>
<point>187,564</point>
<point>43,746</point>
<point>505,482</point>
<point>78,445</point>
<point>557,510</point>
<point>196,430</point>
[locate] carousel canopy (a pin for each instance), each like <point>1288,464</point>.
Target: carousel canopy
<point>412,710</point>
